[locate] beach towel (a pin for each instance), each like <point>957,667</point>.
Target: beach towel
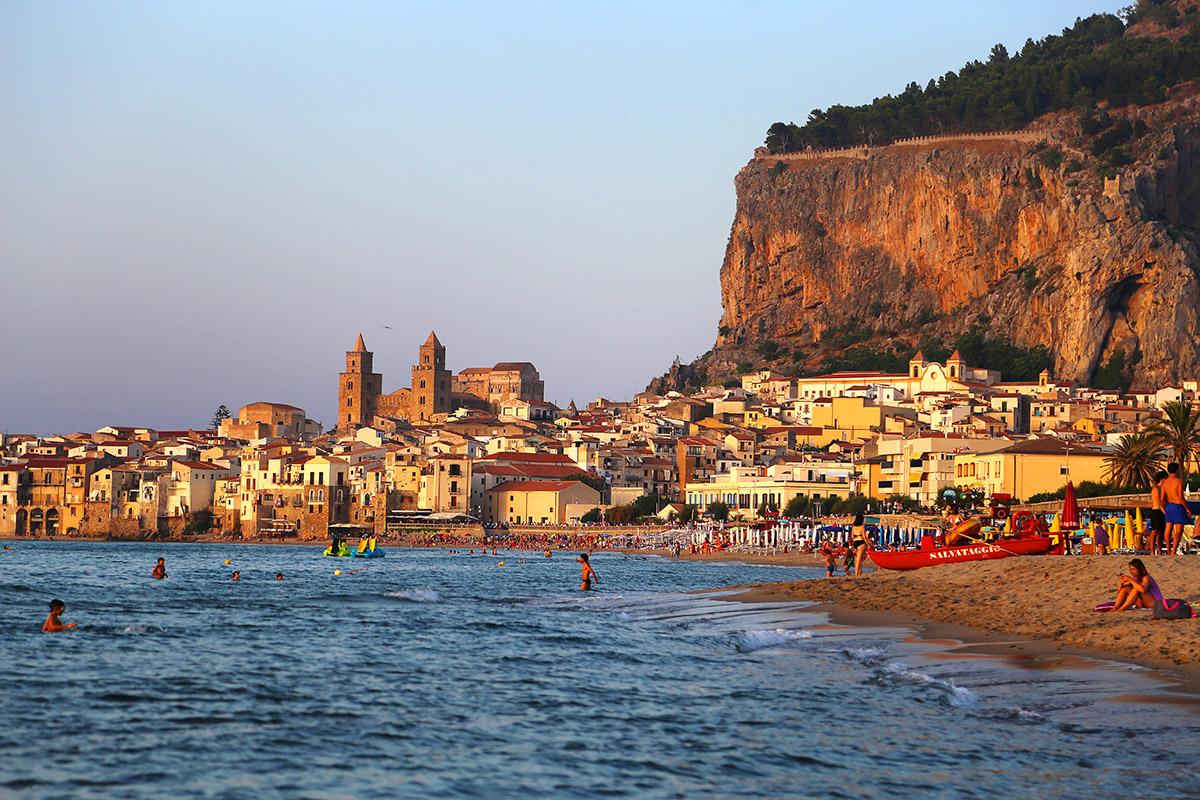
<point>1172,609</point>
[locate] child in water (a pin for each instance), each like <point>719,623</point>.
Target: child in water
<point>53,624</point>
<point>160,570</point>
<point>589,574</point>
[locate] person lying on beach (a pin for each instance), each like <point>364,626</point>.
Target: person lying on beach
<point>53,624</point>
<point>1137,589</point>
<point>160,570</point>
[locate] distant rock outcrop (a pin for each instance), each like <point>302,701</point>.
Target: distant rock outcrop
<point>937,237</point>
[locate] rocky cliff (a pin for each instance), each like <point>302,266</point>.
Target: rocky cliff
<point>1023,235</point>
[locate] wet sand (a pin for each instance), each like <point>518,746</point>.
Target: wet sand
<point>1046,602</point>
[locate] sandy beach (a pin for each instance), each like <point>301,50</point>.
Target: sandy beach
<point>1048,598</point>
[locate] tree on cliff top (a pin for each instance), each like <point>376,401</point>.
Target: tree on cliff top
<point>1089,63</point>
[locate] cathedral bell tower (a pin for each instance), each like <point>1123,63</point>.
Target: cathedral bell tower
<point>430,382</point>
<point>358,388</point>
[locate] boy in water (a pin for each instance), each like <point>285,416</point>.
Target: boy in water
<point>53,624</point>
<point>160,570</point>
<point>589,574</point>
<point>830,562</point>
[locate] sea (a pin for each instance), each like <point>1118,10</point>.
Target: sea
<point>439,674</point>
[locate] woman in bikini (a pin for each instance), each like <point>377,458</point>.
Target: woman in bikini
<point>1137,589</point>
<point>860,543</point>
<point>589,574</point>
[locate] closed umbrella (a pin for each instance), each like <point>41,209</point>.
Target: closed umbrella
<point>1130,535</point>
<point>1070,513</point>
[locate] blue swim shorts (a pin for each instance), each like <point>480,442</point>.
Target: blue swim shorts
<point>1176,514</point>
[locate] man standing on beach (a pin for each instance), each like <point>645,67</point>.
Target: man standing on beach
<point>1158,517</point>
<point>1175,509</point>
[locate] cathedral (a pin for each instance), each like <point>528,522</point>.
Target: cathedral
<point>433,390</point>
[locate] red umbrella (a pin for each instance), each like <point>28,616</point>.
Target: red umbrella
<point>1070,512</point>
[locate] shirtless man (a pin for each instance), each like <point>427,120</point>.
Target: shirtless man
<point>160,570</point>
<point>1174,509</point>
<point>1158,517</point>
<point>589,574</point>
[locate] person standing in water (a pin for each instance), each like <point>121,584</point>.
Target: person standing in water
<point>589,574</point>
<point>160,570</point>
<point>53,624</point>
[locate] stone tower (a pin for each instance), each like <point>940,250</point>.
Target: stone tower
<point>358,388</point>
<point>430,382</point>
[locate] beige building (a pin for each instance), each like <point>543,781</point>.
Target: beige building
<point>536,502</point>
<point>446,484</point>
<point>921,467</point>
<point>502,383</point>
<point>193,485</point>
<point>747,489</point>
<point>1030,467</point>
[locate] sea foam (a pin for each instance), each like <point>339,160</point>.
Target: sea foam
<point>749,641</point>
<point>415,595</point>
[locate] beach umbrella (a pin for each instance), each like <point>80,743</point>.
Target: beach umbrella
<point>1130,535</point>
<point>1056,526</point>
<point>1138,523</point>
<point>1070,512</point>
<point>1008,524</point>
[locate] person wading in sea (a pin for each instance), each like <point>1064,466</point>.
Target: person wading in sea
<point>160,570</point>
<point>53,624</point>
<point>589,574</point>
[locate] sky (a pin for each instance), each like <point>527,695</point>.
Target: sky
<point>204,203</point>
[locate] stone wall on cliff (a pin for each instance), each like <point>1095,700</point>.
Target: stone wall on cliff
<point>940,237</point>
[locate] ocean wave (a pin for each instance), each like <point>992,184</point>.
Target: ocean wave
<point>415,595</point>
<point>956,696</point>
<point>749,641</point>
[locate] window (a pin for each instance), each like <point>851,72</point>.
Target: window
<point>349,402</point>
<point>422,384</point>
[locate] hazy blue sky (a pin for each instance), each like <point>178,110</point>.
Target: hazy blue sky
<point>204,203</point>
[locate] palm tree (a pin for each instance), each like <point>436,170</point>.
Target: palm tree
<point>1178,432</point>
<point>1134,461</point>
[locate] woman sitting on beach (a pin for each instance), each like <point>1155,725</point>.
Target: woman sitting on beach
<point>1137,589</point>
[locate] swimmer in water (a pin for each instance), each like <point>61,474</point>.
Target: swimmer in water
<point>547,554</point>
<point>160,570</point>
<point>53,624</point>
<point>279,576</point>
<point>589,574</point>
<point>237,576</point>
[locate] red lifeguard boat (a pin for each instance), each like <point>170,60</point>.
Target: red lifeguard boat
<point>1031,539</point>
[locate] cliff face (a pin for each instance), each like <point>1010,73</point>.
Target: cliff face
<point>937,236</point>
